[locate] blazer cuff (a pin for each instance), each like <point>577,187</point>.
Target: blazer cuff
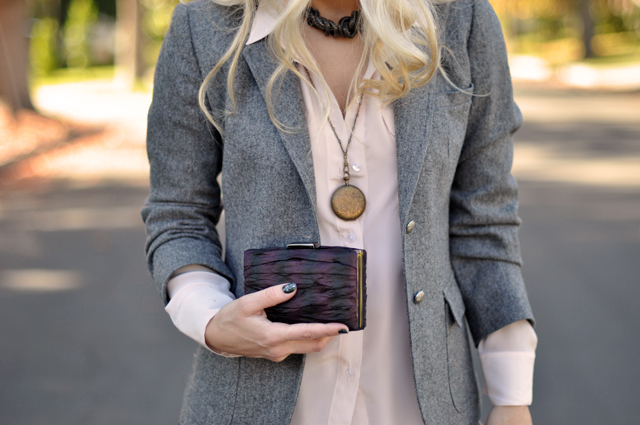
<point>176,254</point>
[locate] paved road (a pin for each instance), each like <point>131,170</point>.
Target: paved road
<point>85,341</point>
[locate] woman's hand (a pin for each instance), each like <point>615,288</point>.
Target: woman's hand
<point>509,415</point>
<point>242,328</point>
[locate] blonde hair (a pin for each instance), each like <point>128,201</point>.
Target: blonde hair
<point>399,35</point>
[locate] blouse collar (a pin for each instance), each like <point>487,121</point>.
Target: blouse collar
<point>263,23</point>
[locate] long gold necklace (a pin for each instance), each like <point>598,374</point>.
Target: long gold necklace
<point>347,202</point>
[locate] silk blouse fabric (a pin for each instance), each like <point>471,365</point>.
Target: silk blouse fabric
<point>363,378</point>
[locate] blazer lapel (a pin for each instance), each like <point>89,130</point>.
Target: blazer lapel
<point>412,118</point>
<point>289,109</point>
<point>413,126</point>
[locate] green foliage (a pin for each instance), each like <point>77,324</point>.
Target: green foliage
<point>73,75</point>
<point>80,16</point>
<point>43,46</point>
<point>106,7</point>
<point>155,23</point>
<point>157,16</point>
<point>554,28</point>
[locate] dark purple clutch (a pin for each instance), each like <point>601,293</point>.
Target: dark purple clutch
<point>331,283</point>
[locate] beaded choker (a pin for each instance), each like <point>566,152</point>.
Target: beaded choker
<point>347,27</point>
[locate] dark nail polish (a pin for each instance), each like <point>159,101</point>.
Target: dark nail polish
<point>289,288</point>
<point>343,331</point>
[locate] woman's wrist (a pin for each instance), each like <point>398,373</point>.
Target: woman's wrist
<point>509,415</point>
<point>209,340</point>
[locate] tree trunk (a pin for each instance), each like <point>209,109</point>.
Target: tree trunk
<point>587,27</point>
<point>14,55</point>
<point>129,38</point>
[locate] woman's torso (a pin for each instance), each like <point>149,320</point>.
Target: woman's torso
<point>271,199</point>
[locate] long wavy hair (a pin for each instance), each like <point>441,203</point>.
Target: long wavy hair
<point>400,36</point>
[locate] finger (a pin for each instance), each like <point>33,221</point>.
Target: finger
<point>269,297</point>
<point>308,346</point>
<point>282,351</point>
<point>310,331</point>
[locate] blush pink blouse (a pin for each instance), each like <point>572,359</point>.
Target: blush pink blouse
<point>366,377</point>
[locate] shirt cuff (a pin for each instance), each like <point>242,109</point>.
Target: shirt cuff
<point>195,297</point>
<point>507,357</point>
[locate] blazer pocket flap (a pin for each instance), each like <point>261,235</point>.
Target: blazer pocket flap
<point>453,297</point>
<point>454,98</point>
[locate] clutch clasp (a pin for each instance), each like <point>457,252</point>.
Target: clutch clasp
<point>299,245</point>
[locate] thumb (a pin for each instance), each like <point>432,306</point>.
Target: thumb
<point>269,297</point>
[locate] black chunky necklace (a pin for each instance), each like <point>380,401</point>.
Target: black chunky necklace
<point>347,27</point>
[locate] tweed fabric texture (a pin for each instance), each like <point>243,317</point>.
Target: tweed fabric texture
<point>454,159</point>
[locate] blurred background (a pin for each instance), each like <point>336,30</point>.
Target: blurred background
<point>83,336</point>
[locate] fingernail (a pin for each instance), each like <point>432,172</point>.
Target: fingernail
<point>289,288</point>
<point>343,331</point>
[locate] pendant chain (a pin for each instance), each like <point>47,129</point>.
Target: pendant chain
<point>346,175</point>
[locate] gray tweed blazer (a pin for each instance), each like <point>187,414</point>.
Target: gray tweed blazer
<point>454,159</point>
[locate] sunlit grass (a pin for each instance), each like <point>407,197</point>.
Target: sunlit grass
<point>612,50</point>
<point>77,75</point>
<point>73,75</point>
<point>614,60</point>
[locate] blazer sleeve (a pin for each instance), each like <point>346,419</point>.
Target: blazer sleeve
<point>483,217</point>
<point>185,155</point>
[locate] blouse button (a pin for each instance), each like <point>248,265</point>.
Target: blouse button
<point>350,372</point>
<point>356,167</point>
<point>351,237</point>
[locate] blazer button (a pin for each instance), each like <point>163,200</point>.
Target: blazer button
<point>410,226</point>
<point>418,297</point>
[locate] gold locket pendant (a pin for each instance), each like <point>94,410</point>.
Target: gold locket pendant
<point>348,202</point>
